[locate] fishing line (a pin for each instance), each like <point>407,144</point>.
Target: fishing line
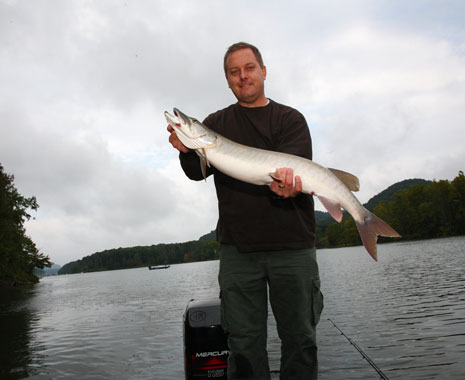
<point>365,356</point>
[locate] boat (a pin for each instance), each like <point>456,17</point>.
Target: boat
<point>152,267</point>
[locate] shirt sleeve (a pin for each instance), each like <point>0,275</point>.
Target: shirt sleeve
<point>295,136</point>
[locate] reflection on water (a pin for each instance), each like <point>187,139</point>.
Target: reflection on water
<point>406,312</point>
<point>16,319</point>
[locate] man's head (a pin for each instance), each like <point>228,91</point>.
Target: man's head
<point>239,46</point>
<point>246,73</point>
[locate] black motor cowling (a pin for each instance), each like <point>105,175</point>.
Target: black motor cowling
<point>205,345</point>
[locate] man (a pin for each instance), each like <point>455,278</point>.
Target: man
<point>267,238</point>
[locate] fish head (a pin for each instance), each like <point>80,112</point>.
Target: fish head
<point>192,133</point>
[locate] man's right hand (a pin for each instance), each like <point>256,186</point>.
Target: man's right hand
<point>174,140</point>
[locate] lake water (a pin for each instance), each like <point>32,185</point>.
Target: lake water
<point>406,312</point>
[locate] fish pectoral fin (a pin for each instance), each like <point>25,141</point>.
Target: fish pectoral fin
<point>203,167</point>
<point>347,179</point>
<point>203,163</point>
<point>204,157</point>
<point>332,207</point>
<point>276,175</point>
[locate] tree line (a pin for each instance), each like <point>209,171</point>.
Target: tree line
<point>135,257</point>
<point>18,253</point>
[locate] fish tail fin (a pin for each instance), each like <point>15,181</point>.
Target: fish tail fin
<point>370,228</point>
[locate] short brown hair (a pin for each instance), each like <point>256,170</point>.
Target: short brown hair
<point>238,46</point>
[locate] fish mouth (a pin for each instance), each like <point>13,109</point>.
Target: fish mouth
<point>176,119</point>
<point>181,116</point>
<point>172,120</point>
<point>179,121</point>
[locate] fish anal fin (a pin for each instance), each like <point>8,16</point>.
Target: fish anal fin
<point>332,207</point>
<point>347,179</point>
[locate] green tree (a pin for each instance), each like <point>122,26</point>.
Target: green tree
<point>441,212</point>
<point>457,203</point>
<point>18,253</point>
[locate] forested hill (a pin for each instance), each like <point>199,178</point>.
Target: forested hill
<point>416,208</point>
<point>388,194</point>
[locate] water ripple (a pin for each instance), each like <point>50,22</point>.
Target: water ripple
<point>406,312</point>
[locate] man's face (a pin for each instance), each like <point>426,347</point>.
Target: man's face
<point>246,78</point>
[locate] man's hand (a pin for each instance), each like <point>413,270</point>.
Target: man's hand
<point>285,185</point>
<point>174,140</point>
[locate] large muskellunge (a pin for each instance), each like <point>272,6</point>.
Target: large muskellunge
<point>259,167</point>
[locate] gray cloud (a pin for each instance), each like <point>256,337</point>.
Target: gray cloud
<point>85,84</point>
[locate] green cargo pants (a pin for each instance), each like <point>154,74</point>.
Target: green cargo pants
<point>294,289</point>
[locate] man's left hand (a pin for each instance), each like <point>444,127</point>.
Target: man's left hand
<point>286,186</point>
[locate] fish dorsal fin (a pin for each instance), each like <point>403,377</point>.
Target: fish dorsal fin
<point>333,207</point>
<point>347,179</point>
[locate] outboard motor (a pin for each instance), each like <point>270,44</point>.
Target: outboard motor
<point>205,346</point>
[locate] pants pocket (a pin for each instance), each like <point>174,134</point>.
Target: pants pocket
<point>317,302</point>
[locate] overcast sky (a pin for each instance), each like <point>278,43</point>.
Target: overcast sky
<point>84,84</point>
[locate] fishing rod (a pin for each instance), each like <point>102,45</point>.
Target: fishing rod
<point>365,356</point>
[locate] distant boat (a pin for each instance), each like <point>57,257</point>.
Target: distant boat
<point>152,267</point>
